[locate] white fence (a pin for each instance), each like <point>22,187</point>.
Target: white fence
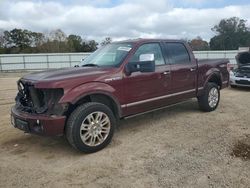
<point>15,62</point>
<point>18,62</point>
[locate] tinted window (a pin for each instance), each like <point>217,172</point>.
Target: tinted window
<point>151,48</point>
<point>178,53</point>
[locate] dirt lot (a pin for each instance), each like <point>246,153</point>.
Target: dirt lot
<point>175,147</point>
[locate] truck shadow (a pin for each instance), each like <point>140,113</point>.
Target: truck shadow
<point>54,147</point>
<point>185,107</point>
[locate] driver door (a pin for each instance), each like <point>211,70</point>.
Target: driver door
<point>142,91</point>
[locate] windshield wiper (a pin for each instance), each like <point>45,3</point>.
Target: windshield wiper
<point>90,65</point>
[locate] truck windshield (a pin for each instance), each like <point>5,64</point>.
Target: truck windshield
<point>109,55</point>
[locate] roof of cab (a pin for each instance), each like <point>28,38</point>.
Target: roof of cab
<point>144,40</point>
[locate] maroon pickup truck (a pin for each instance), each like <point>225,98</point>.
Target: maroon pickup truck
<point>119,80</point>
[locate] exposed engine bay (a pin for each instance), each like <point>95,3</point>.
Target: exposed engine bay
<point>241,75</point>
<point>40,101</point>
<point>243,61</point>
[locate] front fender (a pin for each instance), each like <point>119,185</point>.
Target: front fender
<point>75,94</point>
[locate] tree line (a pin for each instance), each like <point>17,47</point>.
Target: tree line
<point>230,34</point>
<point>56,41</point>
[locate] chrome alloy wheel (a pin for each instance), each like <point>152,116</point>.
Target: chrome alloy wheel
<point>213,97</point>
<point>95,129</point>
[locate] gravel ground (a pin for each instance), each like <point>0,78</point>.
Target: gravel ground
<point>175,147</point>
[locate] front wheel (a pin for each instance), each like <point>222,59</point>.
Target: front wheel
<point>210,99</point>
<point>90,127</point>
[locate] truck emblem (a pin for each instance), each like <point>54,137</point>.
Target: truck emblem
<point>112,79</point>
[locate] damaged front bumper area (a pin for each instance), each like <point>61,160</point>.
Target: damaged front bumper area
<point>38,124</point>
<point>38,111</point>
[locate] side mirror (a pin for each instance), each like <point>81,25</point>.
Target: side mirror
<point>146,63</point>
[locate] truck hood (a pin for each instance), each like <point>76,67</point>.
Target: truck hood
<point>243,59</point>
<point>68,77</point>
<point>65,74</point>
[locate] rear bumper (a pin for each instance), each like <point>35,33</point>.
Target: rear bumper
<point>238,81</point>
<point>38,124</point>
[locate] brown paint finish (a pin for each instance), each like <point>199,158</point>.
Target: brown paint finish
<point>136,93</point>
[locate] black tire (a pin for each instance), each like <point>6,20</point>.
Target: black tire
<point>204,99</point>
<point>76,119</point>
<point>233,86</point>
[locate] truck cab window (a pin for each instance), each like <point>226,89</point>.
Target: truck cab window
<point>179,53</point>
<point>110,55</point>
<point>151,48</point>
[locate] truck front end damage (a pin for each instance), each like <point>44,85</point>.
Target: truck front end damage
<point>38,110</point>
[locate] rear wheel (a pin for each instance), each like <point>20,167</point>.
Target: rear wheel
<point>90,127</point>
<point>211,97</point>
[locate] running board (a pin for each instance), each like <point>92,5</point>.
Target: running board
<point>149,111</point>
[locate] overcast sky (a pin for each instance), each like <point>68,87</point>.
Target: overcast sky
<point>122,19</point>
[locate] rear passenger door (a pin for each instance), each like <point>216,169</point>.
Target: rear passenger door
<point>183,70</point>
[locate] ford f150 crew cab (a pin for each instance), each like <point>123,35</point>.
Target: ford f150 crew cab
<point>120,80</point>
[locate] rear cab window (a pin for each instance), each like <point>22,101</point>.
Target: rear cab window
<point>177,53</point>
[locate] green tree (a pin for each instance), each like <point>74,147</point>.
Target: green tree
<point>75,43</point>
<point>18,38</point>
<point>37,39</point>
<point>56,41</point>
<point>92,45</point>
<point>231,33</point>
<point>2,47</point>
<point>231,26</point>
<point>1,39</point>
<point>89,46</point>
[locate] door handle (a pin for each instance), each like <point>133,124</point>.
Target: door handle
<point>166,72</point>
<point>192,69</point>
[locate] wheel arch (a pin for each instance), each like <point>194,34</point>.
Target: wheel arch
<point>100,97</point>
<point>215,78</point>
